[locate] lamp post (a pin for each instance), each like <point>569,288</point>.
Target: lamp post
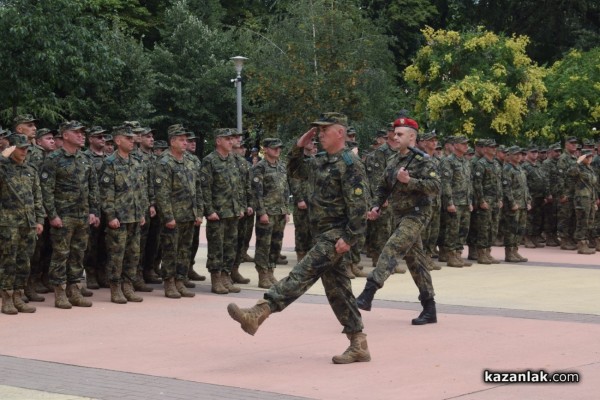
<point>239,64</point>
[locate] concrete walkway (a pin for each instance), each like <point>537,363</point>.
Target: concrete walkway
<point>542,315</point>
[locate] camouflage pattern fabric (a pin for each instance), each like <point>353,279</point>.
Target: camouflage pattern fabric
<point>538,190</point>
<point>302,237</point>
<point>487,187</point>
<point>68,246</point>
<point>222,237</point>
<point>456,190</point>
<point>18,243</point>
<point>514,187</point>
<point>566,210</point>
<point>176,247</point>
<point>585,184</point>
<point>550,209</point>
<point>123,248</point>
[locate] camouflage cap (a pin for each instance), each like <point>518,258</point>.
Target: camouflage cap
<point>390,127</point>
<point>351,131</point>
<point>132,124</point>
<point>502,148</point>
<point>331,118</point>
<point>147,131</point>
<point>490,143</point>
<point>191,136</point>
<point>460,139</point>
<point>588,142</point>
<point>18,141</point>
<point>513,150</point>
<point>587,152</point>
<point>23,119</point>
<point>96,131</point>
<point>272,143</point>
<point>449,140</point>
<point>71,126</point>
<point>225,132</point>
<point>45,131</point>
<point>180,132</point>
<point>175,127</point>
<point>3,132</point>
<point>428,136</point>
<point>161,144</point>
<point>572,139</point>
<point>123,131</point>
<point>533,149</point>
<point>109,138</point>
<point>470,150</point>
<point>480,142</point>
<point>380,133</point>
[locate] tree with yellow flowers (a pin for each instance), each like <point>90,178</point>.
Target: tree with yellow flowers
<point>478,84</point>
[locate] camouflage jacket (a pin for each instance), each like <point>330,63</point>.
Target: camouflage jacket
<point>270,188</point>
<point>148,161</point>
<point>564,186</point>
<point>123,189</point>
<point>415,197</point>
<point>487,182</point>
<point>550,169</point>
<point>96,159</point>
<point>20,195</point>
<point>299,189</point>
<point>221,186</point>
<point>338,204</point>
<point>514,187</point>
<point>177,188</point>
<point>536,179</point>
<point>36,156</point>
<point>245,174</point>
<point>456,181</point>
<point>69,185</point>
<point>375,165</point>
<point>585,182</point>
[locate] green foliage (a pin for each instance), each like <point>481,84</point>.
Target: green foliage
<point>477,83</point>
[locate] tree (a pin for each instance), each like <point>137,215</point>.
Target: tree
<point>477,83</point>
<point>574,94</point>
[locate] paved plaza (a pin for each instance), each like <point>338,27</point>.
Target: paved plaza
<point>541,315</point>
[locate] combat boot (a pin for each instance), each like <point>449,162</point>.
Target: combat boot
<point>552,240</point>
<point>482,256</point>
<point>236,277</point>
<point>357,272</point>
<point>597,244</point>
<point>116,294</point>
<point>472,253</point>
<point>358,351</point>
<point>75,296</point>
<point>8,305</point>
<point>194,276</point>
<point>453,260</point>
<point>431,265</point>
<point>246,258</point>
<point>281,260</point>
<point>443,254</point>
<point>170,290</point>
<point>567,244</point>
<point>365,299</point>
<point>129,293</point>
<point>216,284</point>
<point>349,272</point>
<point>428,315</point>
<point>464,262</point>
<point>139,284</point>
<point>529,244</point>
<point>151,277</point>
<point>85,292</point>
<point>30,292</point>
<point>492,259</point>
<point>300,255</point>
<point>38,285</point>
<point>263,278</point>
<point>90,279</point>
<point>19,304</point>
<point>509,255</point>
<point>188,284</point>
<point>582,248</point>
<point>539,242</point>
<point>183,291</point>
<point>520,257</point>
<point>60,298</point>
<point>271,275</point>
<point>250,318</point>
<point>228,284</point>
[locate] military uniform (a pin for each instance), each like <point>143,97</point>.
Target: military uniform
<point>564,188</point>
<point>538,190</point>
<point>246,223</point>
<point>585,196</point>
<point>303,239</point>
<point>516,193</point>
<point>550,208</point>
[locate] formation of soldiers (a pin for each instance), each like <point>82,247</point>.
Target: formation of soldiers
<point>126,212</point>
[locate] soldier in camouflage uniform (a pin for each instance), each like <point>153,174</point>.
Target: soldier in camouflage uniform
<point>516,203</point>
<point>25,124</point>
<point>337,209</point>
<point>585,200</point>
<point>412,183</point>
<point>223,206</point>
<point>70,196</point>
<point>300,191</point>
<point>271,191</point>
<point>94,259</point>
<point>248,228</point>
<point>180,207</point>
<point>539,191</point>
<point>550,169</point>
<point>457,205</point>
<point>564,187</point>
<point>487,197</point>
<point>473,233</point>
<point>596,167</point>
<point>246,223</point>
<point>123,192</point>
<point>21,218</point>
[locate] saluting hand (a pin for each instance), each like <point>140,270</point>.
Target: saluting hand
<point>307,137</point>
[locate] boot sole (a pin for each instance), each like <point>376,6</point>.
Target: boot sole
<point>361,359</point>
<point>423,323</point>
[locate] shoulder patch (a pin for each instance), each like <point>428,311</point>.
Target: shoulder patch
<point>358,192</point>
<point>477,173</point>
<point>432,174</point>
<point>44,175</point>
<point>256,179</point>
<point>347,158</point>
<point>106,179</point>
<point>158,180</point>
<point>505,182</point>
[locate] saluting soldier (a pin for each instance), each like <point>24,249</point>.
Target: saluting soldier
<point>124,202</point>
<point>585,201</point>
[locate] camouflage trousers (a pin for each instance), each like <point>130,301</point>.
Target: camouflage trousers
<point>95,257</point>
<point>535,217</point>
<point>302,237</point>
<point>486,224</point>
<point>550,211</point>
<point>381,229</point>
<point>405,243</point>
<point>457,227</point>
<point>245,225</point>
<point>584,218</point>
<point>473,233</point>
<point>430,234</point>
<point>16,250</point>
<point>68,247</point>
<point>40,260</point>
<point>321,261</point>
<point>149,253</point>
<point>515,223</point>
<point>194,246</point>
<point>269,238</point>
<point>175,245</point>
<point>566,219</point>
<point>123,249</point>
<point>222,236</point>
<point>596,233</point>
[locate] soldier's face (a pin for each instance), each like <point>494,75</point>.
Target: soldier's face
<point>58,142</point>
<point>74,138</point>
<point>403,137</point>
<point>191,146</point>
<point>532,155</point>
<point>28,129</point>
<point>47,142</point>
<point>571,147</point>
<point>147,141</point>
<point>19,154</point>
<point>179,143</point>
<point>273,153</point>
<point>125,143</point>
<point>109,148</point>
<point>489,152</point>
<point>429,145</point>
<point>97,142</point>
<point>225,144</point>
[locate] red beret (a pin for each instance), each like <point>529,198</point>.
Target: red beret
<point>410,123</point>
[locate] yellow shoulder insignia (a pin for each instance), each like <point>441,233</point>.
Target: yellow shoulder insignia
<point>432,174</point>
<point>358,192</point>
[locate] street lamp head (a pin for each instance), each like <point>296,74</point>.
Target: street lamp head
<point>239,63</point>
